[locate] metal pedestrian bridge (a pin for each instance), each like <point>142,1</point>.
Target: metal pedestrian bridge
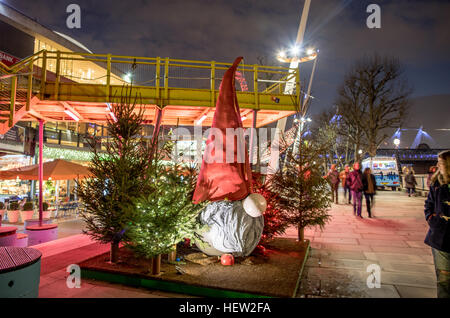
<point>66,87</point>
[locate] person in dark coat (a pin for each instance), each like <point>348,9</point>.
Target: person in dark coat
<point>437,214</point>
<point>354,182</point>
<point>369,189</point>
<point>333,178</point>
<point>343,176</point>
<point>410,182</point>
<point>431,172</point>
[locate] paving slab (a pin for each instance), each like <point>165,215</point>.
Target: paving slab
<point>409,279</point>
<point>356,255</point>
<point>407,267</point>
<point>402,250</point>
<point>394,257</point>
<point>416,292</point>
<point>335,240</point>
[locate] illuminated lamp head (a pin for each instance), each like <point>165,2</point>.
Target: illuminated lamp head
<point>254,205</point>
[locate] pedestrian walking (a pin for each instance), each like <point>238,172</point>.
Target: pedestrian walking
<point>343,175</point>
<point>333,178</point>
<point>354,181</point>
<point>410,182</point>
<point>437,214</point>
<point>431,171</point>
<point>369,189</point>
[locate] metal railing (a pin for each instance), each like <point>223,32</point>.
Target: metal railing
<point>165,73</point>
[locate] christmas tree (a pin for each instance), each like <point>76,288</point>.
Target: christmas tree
<point>166,215</point>
<point>275,222</point>
<point>118,176</point>
<point>303,194</point>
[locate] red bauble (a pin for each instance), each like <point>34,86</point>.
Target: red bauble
<point>227,259</point>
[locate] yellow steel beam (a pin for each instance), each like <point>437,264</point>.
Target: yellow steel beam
<point>58,74</point>
<point>43,74</point>
<point>30,86</point>
<point>12,107</point>
<point>173,96</point>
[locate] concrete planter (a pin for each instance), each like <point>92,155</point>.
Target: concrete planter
<point>13,216</point>
<point>30,222</point>
<point>26,215</point>
<point>21,240</point>
<point>41,234</point>
<point>7,236</point>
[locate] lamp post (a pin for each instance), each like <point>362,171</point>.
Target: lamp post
<point>298,138</point>
<point>290,85</point>
<point>397,144</point>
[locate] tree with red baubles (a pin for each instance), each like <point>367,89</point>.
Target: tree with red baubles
<point>275,222</point>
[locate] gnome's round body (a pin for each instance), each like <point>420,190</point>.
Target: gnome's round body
<point>230,229</point>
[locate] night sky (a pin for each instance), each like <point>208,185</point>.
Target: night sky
<point>417,32</point>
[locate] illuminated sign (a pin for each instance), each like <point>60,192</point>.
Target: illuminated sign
<point>7,59</point>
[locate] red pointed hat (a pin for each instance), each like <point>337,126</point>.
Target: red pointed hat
<point>224,180</point>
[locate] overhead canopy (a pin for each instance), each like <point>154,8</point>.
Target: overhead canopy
<point>56,170</point>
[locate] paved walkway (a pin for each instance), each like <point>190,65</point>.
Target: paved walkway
<point>341,253</point>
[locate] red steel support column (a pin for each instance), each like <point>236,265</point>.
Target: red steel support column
<point>41,168</point>
<point>157,126</point>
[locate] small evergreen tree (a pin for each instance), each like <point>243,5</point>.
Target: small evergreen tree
<point>275,222</point>
<point>166,214</point>
<point>118,176</point>
<point>304,195</point>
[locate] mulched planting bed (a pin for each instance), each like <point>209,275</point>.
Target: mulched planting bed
<point>274,273</point>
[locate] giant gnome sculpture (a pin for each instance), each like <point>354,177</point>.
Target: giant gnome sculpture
<point>233,221</point>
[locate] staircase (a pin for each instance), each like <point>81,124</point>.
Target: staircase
<point>14,98</point>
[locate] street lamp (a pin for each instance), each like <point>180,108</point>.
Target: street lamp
<point>302,120</point>
<point>294,56</point>
<point>127,77</point>
<point>397,142</point>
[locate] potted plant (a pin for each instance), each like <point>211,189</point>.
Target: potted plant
<point>13,212</point>
<point>2,211</point>
<point>27,211</point>
<point>45,212</point>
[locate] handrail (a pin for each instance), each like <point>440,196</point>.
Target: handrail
<point>108,75</point>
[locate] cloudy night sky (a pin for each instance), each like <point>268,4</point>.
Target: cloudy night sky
<point>417,32</point>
